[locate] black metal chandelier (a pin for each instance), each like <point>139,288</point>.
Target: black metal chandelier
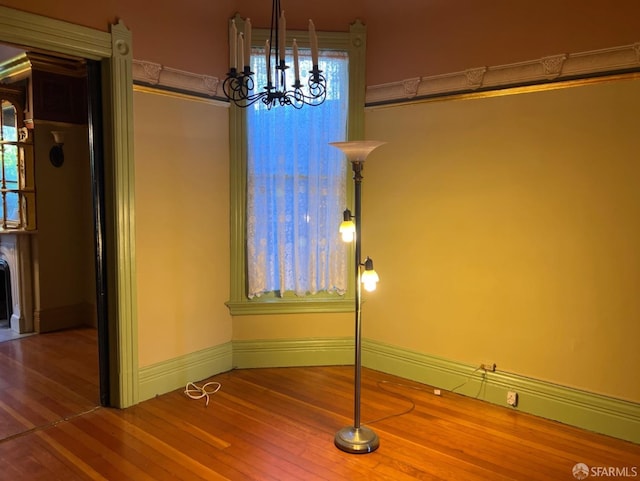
<point>239,86</point>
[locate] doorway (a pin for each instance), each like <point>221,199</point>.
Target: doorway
<point>52,253</point>
<point>110,63</point>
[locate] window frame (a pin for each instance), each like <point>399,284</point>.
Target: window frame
<point>25,187</point>
<point>354,43</point>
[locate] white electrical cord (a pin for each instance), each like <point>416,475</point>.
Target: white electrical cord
<point>196,392</point>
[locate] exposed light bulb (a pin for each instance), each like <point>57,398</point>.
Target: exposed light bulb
<point>369,277</point>
<point>347,227</point>
<point>370,281</point>
<point>347,230</point>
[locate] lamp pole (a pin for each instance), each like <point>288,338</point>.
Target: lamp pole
<point>357,439</point>
<point>357,179</point>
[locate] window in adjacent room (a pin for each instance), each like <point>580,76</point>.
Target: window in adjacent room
<point>17,195</point>
<point>289,188</point>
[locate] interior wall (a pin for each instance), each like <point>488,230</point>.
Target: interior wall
<point>506,228</point>
<point>293,326</point>
<point>66,260</point>
<point>429,37</point>
<point>182,252</point>
<point>414,38</point>
<point>182,224</point>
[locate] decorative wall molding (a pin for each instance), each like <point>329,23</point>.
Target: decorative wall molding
<point>547,69</point>
<point>292,352</point>
<point>123,318</point>
<point>170,78</point>
<point>175,373</point>
<point>586,410</point>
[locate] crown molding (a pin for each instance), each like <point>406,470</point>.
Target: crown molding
<point>547,69</point>
<point>543,70</point>
<point>159,76</point>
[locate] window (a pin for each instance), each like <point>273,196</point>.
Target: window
<point>292,236</point>
<point>17,195</point>
<point>296,188</point>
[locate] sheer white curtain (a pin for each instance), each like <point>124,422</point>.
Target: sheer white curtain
<point>296,187</point>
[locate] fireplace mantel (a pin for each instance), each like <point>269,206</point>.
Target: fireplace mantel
<point>16,250</point>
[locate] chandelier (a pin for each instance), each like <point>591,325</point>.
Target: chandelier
<point>239,86</point>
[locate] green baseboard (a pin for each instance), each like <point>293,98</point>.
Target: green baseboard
<point>586,410</point>
<point>175,373</point>
<point>594,412</point>
<point>293,352</point>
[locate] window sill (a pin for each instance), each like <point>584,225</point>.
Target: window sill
<point>20,231</point>
<point>262,305</point>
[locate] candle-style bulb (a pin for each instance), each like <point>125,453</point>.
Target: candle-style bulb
<point>233,40</point>
<point>267,54</point>
<point>247,42</point>
<point>283,37</point>
<point>241,50</point>
<point>296,62</point>
<point>314,43</point>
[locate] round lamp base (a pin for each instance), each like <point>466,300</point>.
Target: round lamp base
<point>357,440</point>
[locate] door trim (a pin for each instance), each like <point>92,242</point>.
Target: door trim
<point>113,51</point>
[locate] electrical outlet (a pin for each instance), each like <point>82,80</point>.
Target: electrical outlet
<point>488,366</point>
<point>512,398</point>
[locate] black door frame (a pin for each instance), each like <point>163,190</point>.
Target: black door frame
<point>96,156</point>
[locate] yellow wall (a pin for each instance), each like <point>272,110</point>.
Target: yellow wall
<point>524,225</point>
<point>182,225</point>
<point>507,228</point>
<point>293,326</point>
<point>66,260</point>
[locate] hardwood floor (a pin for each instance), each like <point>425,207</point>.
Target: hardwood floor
<point>47,377</point>
<point>279,424</point>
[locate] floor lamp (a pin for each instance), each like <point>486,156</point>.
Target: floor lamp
<point>357,439</point>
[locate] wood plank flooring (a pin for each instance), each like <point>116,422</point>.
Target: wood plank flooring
<point>279,424</point>
<point>47,377</point>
